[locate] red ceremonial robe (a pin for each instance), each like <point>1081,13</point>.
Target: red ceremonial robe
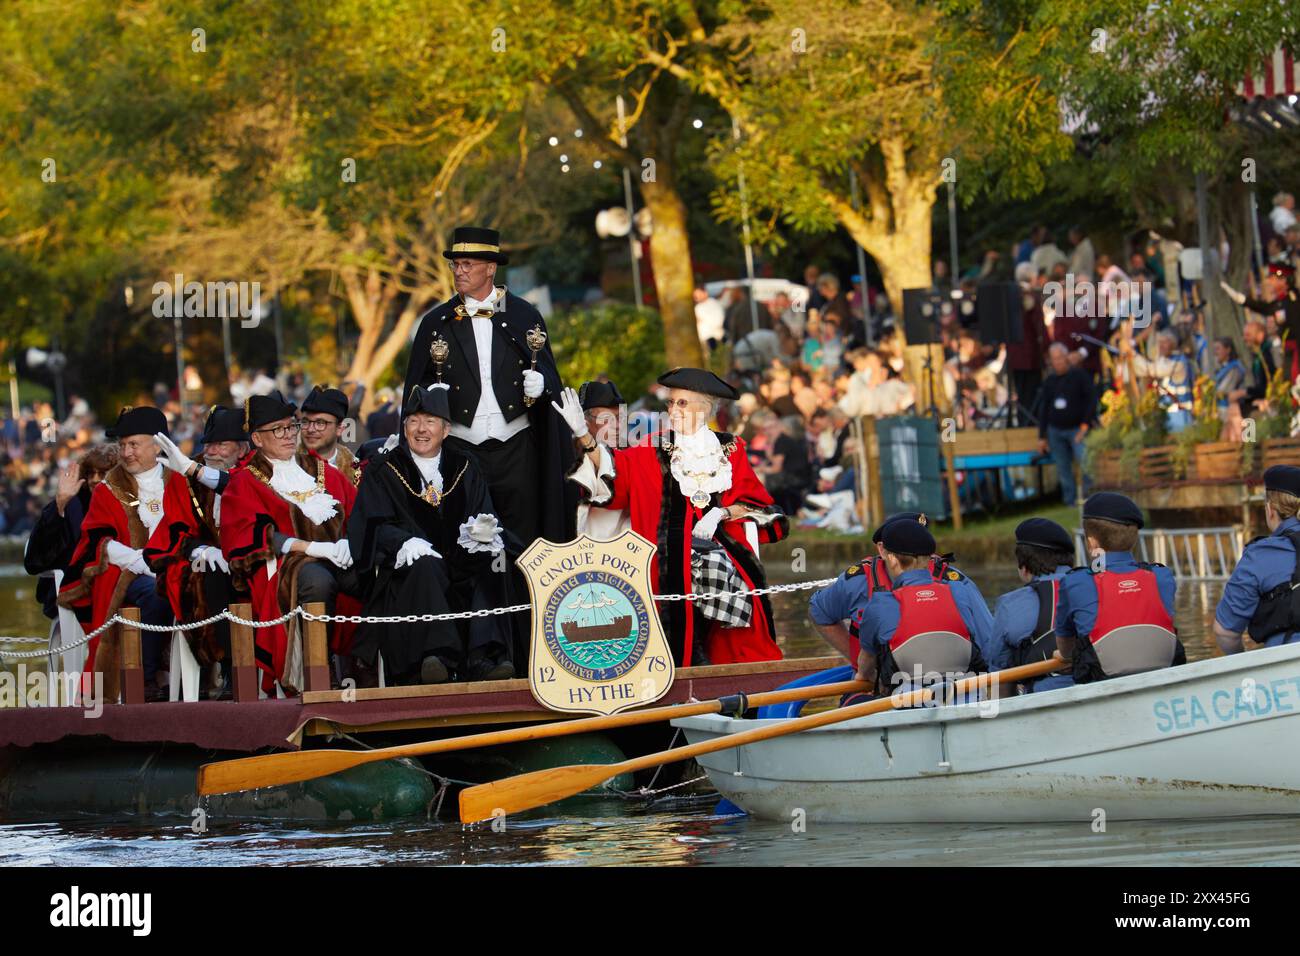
<point>94,587</point>
<point>188,521</point>
<point>251,512</point>
<point>644,487</point>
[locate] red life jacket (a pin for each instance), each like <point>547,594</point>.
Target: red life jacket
<point>877,578</point>
<point>1133,631</point>
<point>931,633</point>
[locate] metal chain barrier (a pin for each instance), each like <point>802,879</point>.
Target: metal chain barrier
<point>359,618</point>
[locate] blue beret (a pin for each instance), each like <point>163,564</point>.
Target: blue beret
<point>907,536</point>
<point>1112,506</point>
<point>1042,533</point>
<point>1283,478</point>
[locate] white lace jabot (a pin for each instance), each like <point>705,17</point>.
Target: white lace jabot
<point>288,479</point>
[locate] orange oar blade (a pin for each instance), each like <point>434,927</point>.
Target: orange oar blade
<point>529,790</point>
<point>274,770</point>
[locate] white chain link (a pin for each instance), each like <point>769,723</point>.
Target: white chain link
<point>360,619</point>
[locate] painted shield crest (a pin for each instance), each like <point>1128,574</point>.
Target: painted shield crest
<point>597,645</point>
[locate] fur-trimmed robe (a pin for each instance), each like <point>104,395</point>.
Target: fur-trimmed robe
<point>251,513</point>
<point>644,487</point>
<point>95,587</point>
<point>189,520</point>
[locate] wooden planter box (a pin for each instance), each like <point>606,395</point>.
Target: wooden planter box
<point>1104,466</point>
<point>1280,451</point>
<point>1157,465</point>
<point>1216,460</point>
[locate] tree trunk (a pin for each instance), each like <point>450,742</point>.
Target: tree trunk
<point>670,256</point>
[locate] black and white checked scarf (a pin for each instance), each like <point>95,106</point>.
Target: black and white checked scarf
<point>713,573</point>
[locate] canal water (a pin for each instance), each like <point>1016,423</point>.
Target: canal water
<point>684,832</point>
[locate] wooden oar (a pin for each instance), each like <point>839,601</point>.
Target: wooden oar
<point>525,791</point>
<point>273,770</point>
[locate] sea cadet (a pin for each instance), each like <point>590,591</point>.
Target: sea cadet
<point>1261,596</point>
<point>1115,616</point>
<point>1024,622</point>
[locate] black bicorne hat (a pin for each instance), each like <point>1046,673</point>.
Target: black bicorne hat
<point>431,401</point>
<point>260,409</point>
<point>599,395</point>
<point>698,380</point>
<point>138,420</point>
<point>329,401</point>
<point>476,242</point>
<point>224,424</point>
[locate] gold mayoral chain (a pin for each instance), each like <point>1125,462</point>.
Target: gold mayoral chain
<point>298,496</point>
<point>429,494</point>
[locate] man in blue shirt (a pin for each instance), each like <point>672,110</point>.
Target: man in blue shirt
<point>1259,596</point>
<point>841,602</point>
<point>1024,623</point>
<point>1115,617</point>
<point>921,627</point>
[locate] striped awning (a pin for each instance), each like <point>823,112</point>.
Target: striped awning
<point>1280,76</point>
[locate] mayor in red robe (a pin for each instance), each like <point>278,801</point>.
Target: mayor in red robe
<point>108,570</point>
<point>184,551</point>
<point>691,491</point>
<point>283,532</point>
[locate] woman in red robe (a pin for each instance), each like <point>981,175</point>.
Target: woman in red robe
<point>691,492</point>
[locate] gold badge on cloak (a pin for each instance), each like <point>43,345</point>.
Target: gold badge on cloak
<point>597,646</point>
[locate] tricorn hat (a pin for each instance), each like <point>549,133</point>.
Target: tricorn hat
<point>698,380</point>
<point>476,242</point>
<point>260,409</point>
<point>224,424</point>
<point>430,401</point>
<point>138,420</point>
<point>330,401</point>
<point>598,395</point>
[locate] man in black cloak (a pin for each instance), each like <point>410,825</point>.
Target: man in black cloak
<point>485,343</point>
<point>424,537</point>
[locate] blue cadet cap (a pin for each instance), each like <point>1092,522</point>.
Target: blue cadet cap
<point>1112,506</point>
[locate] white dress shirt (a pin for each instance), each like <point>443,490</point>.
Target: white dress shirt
<point>429,470</point>
<point>489,422</point>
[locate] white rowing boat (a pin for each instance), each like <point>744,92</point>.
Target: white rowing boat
<point>1215,738</point>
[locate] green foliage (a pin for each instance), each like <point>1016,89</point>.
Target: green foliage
<point>613,339</point>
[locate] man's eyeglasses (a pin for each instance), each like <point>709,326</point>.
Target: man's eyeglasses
<point>316,424</point>
<point>283,431</point>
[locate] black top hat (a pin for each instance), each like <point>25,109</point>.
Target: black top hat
<point>476,242</point>
<point>224,424</point>
<point>430,401</point>
<point>330,401</point>
<point>140,420</point>
<point>260,409</point>
<point>698,380</point>
<point>599,395</point>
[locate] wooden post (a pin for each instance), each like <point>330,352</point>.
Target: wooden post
<point>954,500</point>
<point>132,673</point>
<point>315,649</point>
<point>875,493</point>
<point>243,669</point>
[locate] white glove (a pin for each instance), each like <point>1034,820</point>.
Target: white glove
<point>208,558</point>
<point>481,533</point>
<point>177,460</point>
<point>1233,294</point>
<point>707,526</point>
<point>412,550</point>
<point>338,553</point>
<point>570,410</point>
<point>534,384</point>
<point>125,557</point>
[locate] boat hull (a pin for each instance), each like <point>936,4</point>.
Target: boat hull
<point>1211,739</point>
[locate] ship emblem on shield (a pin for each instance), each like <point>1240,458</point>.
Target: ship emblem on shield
<point>597,646</point>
